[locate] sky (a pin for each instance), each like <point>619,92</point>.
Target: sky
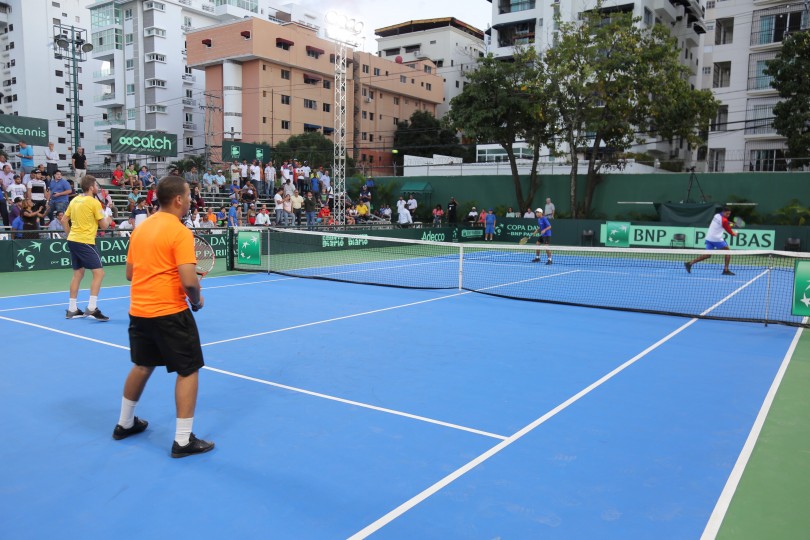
<point>382,13</point>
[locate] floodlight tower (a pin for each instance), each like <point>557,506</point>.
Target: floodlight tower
<point>344,31</point>
<point>70,43</point>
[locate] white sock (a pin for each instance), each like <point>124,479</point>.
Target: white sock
<point>183,432</point>
<point>127,418</point>
<point>72,305</point>
<point>92,304</point>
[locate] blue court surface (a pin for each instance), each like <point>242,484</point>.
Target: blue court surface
<point>343,410</point>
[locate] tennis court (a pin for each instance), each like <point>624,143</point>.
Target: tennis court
<point>345,410</point>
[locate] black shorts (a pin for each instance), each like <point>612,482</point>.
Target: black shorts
<point>544,240</point>
<point>84,256</point>
<point>171,340</point>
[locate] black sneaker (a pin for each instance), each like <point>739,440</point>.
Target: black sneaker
<point>78,314</point>
<point>548,261</point>
<point>194,446</point>
<point>97,315</point>
<point>688,267</point>
<point>536,259</point>
<point>728,273</point>
<point>122,433</point>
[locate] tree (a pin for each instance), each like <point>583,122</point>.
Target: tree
<point>613,81</point>
<point>425,135</point>
<point>503,103</point>
<point>187,163</point>
<point>791,77</point>
<point>314,148</point>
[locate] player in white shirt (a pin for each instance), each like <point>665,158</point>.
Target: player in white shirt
<point>715,240</point>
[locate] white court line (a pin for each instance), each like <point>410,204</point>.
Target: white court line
<point>103,299</point>
<point>381,310</point>
<point>279,385</point>
<point>359,404</point>
<point>464,469</point>
<point>724,501</point>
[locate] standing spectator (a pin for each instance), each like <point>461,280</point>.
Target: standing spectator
<point>278,201</point>
<point>286,206</point>
<point>297,202</point>
<point>234,168</point>
<point>490,221</point>
<point>79,162</point>
<point>233,214</point>
<point>310,207</point>
<point>269,178</point>
<point>82,220</point>
<point>162,332</point>
<point>482,218</point>
<point>243,173</point>
<point>326,183</point>
<point>31,218</point>
<point>438,213</point>
<point>365,193</point>
<point>528,214</point>
<point>452,211</point>
<point>289,188</point>
<point>4,208</point>
<point>26,155</point>
<point>16,209</point>
<point>256,177</point>
<point>7,176</point>
<point>412,204</point>
<point>60,193</point>
<point>51,160</point>
<point>549,209</point>
<point>39,194</point>
<point>400,204</point>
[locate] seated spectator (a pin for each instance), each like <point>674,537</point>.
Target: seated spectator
<point>235,191</point>
<point>55,226</point>
<point>263,217</point>
<point>222,217</point>
<point>250,217</point>
<point>140,212</point>
<point>511,213</point>
<point>438,213</point>
<point>125,227</point>
<point>529,214</point>
<point>197,202</point>
<point>325,215</point>
<point>151,198</point>
<point>405,220</point>
<point>362,210</point>
<point>131,176</point>
<point>193,220</point>
<point>146,177</point>
<point>118,175</point>
<point>132,198</point>
<point>248,195</point>
<point>472,217</point>
<point>211,216</point>
<point>220,181</point>
<point>385,212</point>
<point>208,181</point>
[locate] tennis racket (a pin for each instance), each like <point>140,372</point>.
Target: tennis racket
<point>739,222</point>
<point>525,240</point>
<point>205,259</point>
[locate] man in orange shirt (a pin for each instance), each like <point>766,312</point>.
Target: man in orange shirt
<point>162,332</point>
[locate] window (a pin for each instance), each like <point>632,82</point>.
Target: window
<point>130,89</point>
<point>327,107</point>
<point>62,140</point>
<point>391,52</point>
<point>413,48</point>
<point>189,117</point>
<point>155,83</point>
<point>724,31</point>
<point>757,63</point>
<point>189,93</point>
<point>648,17</point>
<point>428,69</point>
<point>285,74</point>
<point>364,114</point>
<point>396,120</point>
<point>365,68</point>
<point>131,114</point>
<point>107,40</point>
<point>157,6</point>
<point>127,14</point>
<point>60,107</point>
<point>396,101</point>
<point>370,137</point>
<point>59,73</point>
<point>155,57</point>
<point>403,79</point>
<point>767,160</point>
<point>285,124</point>
<point>720,122</point>
<point>429,86</point>
<point>722,75</point>
<point>377,71</point>
<point>264,119</point>
<point>364,136</point>
<point>759,116</point>
<point>60,123</point>
<point>312,53</point>
<point>128,39</point>
<point>308,79</point>
<point>130,64</point>
<point>187,22</point>
<point>247,5</point>
<point>717,159</point>
<point>310,104</point>
<point>285,100</point>
<point>285,45</point>
<point>60,90</point>
<point>327,84</point>
<point>154,31</point>
<point>189,142</point>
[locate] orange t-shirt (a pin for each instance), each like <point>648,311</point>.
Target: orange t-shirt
<point>156,248</point>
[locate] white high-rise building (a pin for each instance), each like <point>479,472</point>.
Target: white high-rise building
<point>35,82</point>
<point>743,36</point>
<point>144,83</point>
<point>521,23</point>
<point>454,46</point>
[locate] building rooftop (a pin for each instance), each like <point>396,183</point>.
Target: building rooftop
<point>428,24</point>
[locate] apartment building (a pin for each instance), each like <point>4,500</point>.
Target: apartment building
<point>531,23</point>
<point>36,82</point>
<point>742,37</point>
<point>277,80</point>
<point>453,45</point>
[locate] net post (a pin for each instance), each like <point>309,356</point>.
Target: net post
<point>460,267</point>
<point>266,234</point>
<point>768,290</point>
<point>229,265</point>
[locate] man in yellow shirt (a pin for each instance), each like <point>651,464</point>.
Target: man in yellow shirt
<point>161,264</point>
<point>81,222</point>
<point>362,210</point>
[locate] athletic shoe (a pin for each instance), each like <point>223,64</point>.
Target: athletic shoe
<point>78,314</point>
<point>194,446</point>
<point>728,273</point>
<point>548,261</point>
<point>536,259</point>
<point>122,433</point>
<point>688,267</point>
<point>98,315</point>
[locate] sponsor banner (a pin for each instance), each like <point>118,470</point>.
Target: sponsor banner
<point>693,237</point>
<point>152,143</point>
<point>33,131</point>
<point>617,234</point>
<point>249,250</point>
<point>244,151</point>
<point>801,289</point>
<point>47,254</point>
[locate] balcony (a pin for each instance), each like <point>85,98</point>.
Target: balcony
<point>187,78</point>
<point>513,6</point>
<point>109,99</point>
<point>110,122</point>
<point>189,126</point>
<point>104,148</point>
<point>188,102</point>
<point>103,75</point>
<point>665,10</point>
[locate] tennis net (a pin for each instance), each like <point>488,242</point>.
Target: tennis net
<point>643,280</point>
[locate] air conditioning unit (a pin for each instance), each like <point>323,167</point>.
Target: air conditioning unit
<point>368,99</point>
